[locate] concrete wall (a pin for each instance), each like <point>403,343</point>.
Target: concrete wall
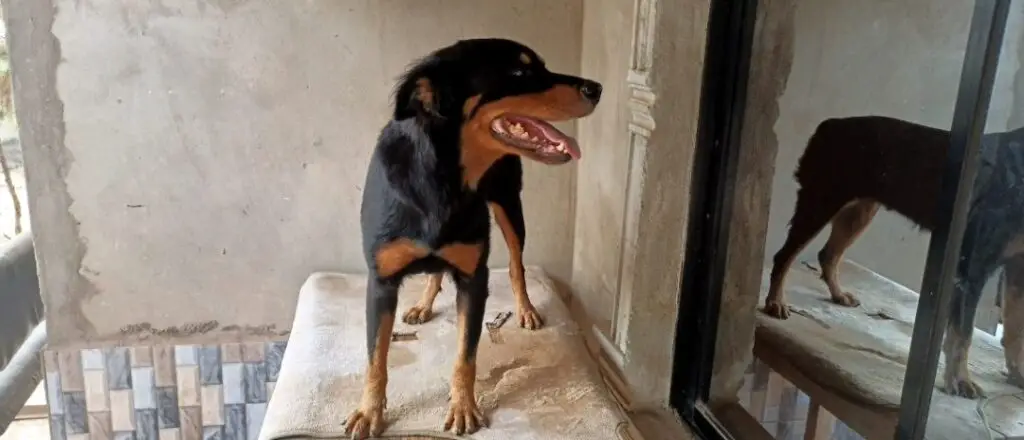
<point>192,162</point>
<point>900,59</point>
<point>601,176</point>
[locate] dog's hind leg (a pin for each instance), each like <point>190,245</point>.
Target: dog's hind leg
<point>1013,320</point>
<point>423,310</point>
<point>509,216</point>
<point>847,225</point>
<point>381,302</point>
<point>812,212</point>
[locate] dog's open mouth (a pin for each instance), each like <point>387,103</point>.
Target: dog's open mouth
<point>535,136</point>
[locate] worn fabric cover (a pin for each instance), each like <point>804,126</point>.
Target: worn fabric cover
<point>539,385</point>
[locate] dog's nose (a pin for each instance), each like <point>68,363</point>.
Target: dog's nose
<point>591,90</point>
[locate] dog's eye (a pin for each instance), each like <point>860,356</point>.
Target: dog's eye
<point>518,72</point>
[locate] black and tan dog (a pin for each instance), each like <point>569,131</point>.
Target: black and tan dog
<point>853,166</point>
<point>464,116</point>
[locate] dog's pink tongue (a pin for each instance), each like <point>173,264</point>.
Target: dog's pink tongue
<point>573,148</point>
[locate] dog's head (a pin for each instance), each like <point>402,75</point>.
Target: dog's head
<point>500,97</point>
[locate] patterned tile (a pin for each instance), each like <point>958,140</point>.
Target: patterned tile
<point>163,366</point>
<point>270,389</point>
<point>54,396</point>
<point>273,355</point>
<point>50,362</point>
<point>143,391</point>
<point>57,431</point>
<point>234,423</point>
<point>167,407</point>
<point>188,385</point>
<point>209,366</point>
<point>191,423</point>
<point>234,384</point>
<point>141,356</point>
<point>146,425</point>
<point>96,391</point>
<point>70,368</point>
<point>170,434</point>
<point>231,353</point>
<point>185,355</point>
<point>99,426</point>
<point>92,359</point>
<point>255,383</point>
<point>122,411</point>
<point>186,392</point>
<point>253,352</point>
<point>213,405</point>
<point>254,414</point>
<point>75,417</point>
<point>119,376</point>
<point>213,433</point>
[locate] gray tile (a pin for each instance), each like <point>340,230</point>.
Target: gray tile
<point>234,383</point>
<point>145,425</point>
<point>234,422</point>
<point>254,414</point>
<point>124,435</point>
<point>213,433</point>
<point>54,396</point>
<point>76,417</point>
<point>167,407</point>
<point>143,390</point>
<point>209,365</point>
<point>119,370</point>
<point>57,431</point>
<point>185,355</point>
<point>92,359</point>
<point>255,383</point>
<point>274,354</point>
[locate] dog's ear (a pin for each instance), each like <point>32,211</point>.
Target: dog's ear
<point>419,97</point>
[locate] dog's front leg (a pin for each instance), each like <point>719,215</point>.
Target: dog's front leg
<point>381,302</point>
<point>464,416</point>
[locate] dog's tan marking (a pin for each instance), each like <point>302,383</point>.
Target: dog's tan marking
<point>464,256</point>
<point>394,256</point>
<point>525,58</point>
<point>423,310</point>
<point>957,376</point>
<point>480,149</point>
<point>1013,320</point>
<point>525,312</point>
<point>470,105</point>
<point>847,225</point>
<point>464,417</point>
<point>369,418</point>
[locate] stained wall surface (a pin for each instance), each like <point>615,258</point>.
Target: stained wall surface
<point>191,162</point>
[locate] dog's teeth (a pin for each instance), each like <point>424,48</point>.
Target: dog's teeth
<point>534,139</point>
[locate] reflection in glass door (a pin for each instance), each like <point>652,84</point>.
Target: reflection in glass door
<point>837,194</point>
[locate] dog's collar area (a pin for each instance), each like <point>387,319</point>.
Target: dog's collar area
<point>534,135</point>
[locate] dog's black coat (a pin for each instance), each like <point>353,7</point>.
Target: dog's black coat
<point>416,187</point>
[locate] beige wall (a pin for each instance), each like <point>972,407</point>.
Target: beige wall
<point>192,162</point>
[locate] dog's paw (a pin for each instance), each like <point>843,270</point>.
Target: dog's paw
<point>529,318</point>
<point>417,315</point>
<point>464,417</point>
<point>1016,377</point>
<point>365,423</point>
<point>964,387</point>
<point>846,299</point>
<point>776,310</point>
